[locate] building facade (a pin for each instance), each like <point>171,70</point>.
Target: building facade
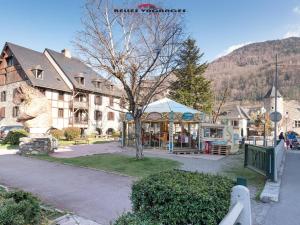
<point>79,96</point>
<point>289,109</point>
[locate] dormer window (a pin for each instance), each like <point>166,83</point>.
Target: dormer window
<point>98,84</point>
<point>38,72</point>
<point>80,78</point>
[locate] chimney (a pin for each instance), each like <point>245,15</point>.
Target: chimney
<point>66,53</point>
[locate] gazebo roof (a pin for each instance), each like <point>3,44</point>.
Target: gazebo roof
<point>166,105</point>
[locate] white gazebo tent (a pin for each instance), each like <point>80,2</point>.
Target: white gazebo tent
<point>169,111</point>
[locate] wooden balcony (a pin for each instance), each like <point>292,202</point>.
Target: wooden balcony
<point>78,105</point>
<point>78,121</point>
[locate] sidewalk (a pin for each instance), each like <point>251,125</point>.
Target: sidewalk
<point>286,211</point>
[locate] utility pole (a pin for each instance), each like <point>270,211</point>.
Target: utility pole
<point>275,123</point>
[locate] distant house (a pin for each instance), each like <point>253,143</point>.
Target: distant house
<point>289,109</point>
<point>79,96</point>
<point>237,117</point>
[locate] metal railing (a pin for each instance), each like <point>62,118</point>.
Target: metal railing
<point>260,159</point>
<point>240,207</point>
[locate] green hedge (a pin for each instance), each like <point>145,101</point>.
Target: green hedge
<point>180,198</point>
<point>71,133</point>
<point>19,208</point>
<point>133,219</point>
<point>13,136</point>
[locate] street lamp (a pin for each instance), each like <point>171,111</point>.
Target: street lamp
<point>263,111</point>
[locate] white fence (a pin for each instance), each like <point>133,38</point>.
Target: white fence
<point>240,207</point>
<point>278,157</point>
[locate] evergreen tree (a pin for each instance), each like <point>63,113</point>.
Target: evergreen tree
<point>191,88</point>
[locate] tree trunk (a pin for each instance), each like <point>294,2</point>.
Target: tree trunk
<point>138,138</point>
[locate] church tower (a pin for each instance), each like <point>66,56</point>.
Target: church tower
<point>269,101</point>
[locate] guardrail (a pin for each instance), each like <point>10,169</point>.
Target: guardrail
<point>264,160</point>
<point>240,207</point>
<point>260,159</point>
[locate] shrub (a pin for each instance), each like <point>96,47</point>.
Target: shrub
<point>20,208</point>
<point>13,136</point>
<point>58,134</point>
<point>116,134</point>
<point>71,133</point>
<point>179,197</point>
<point>133,219</point>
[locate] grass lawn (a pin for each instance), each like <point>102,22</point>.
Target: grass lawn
<point>126,165</point>
<point>237,169</point>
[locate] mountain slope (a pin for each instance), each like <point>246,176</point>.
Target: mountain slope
<point>249,71</point>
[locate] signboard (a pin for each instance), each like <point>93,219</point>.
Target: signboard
<point>128,116</point>
<point>275,116</point>
<point>219,142</point>
<point>187,116</point>
<point>154,116</point>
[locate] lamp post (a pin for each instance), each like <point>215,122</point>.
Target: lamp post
<point>263,111</point>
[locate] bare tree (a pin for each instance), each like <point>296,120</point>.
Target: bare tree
<point>218,105</point>
<point>138,49</point>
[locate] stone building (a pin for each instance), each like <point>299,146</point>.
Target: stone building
<point>79,96</point>
<point>289,109</point>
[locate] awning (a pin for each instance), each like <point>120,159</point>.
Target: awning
<point>166,105</point>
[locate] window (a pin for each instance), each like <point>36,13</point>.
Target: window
<point>111,101</point>
<point>80,80</point>
<point>38,73</point>
<point>10,61</point>
<point>15,91</point>
<point>111,87</point>
<point>110,116</point>
<point>98,100</point>
<point>61,96</point>
<point>2,112</point>
<point>297,123</point>
<point>235,123</point>
<point>81,98</point>
<point>97,84</point>
<point>3,96</point>
<point>15,112</point>
<point>213,132</point>
<point>122,103</point>
<point>60,113</point>
<point>98,115</point>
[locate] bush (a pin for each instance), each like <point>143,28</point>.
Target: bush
<point>58,134</point>
<point>133,219</point>
<point>13,136</point>
<point>71,133</point>
<point>20,208</point>
<point>179,197</point>
<point>116,134</point>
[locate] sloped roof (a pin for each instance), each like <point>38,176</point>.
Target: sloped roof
<point>29,59</point>
<point>168,105</point>
<point>236,112</point>
<point>73,67</point>
<point>271,93</point>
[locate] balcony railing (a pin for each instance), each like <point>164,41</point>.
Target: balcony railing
<point>78,105</point>
<point>78,120</point>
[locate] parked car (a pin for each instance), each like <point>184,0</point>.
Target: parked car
<point>5,129</point>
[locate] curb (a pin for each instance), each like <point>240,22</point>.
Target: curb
<point>271,190</point>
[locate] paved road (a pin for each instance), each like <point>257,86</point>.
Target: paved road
<point>287,210</point>
<point>91,194</point>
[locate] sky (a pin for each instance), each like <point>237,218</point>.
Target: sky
<point>219,26</point>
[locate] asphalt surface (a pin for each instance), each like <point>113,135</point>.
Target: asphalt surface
<point>92,194</point>
<point>287,210</point>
